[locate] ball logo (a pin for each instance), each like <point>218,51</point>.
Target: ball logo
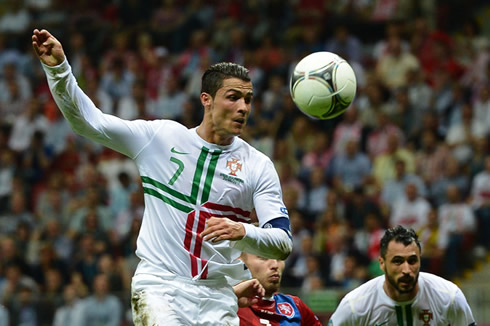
<point>234,166</point>
<point>286,309</point>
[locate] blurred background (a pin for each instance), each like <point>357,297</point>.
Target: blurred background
<point>412,149</point>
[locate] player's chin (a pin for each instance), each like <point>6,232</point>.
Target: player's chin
<point>236,131</point>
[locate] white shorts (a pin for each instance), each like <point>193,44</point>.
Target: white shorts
<point>180,301</point>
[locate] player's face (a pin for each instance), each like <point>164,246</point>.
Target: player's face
<point>267,271</point>
<point>401,267</point>
<point>230,108</point>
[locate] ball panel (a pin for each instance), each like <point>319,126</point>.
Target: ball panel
<point>312,96</point>
<point>315,61</point>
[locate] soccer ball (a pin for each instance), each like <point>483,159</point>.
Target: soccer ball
<point>323,85</point>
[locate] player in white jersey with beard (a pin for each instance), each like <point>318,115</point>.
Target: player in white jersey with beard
<point>404,296</point>
<point>201,186</point>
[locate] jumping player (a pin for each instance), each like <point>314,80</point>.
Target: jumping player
<point>200,184</point>
<point>404,296</point>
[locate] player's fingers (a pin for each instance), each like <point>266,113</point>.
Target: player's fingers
<point>36,48</point>
<point>46,34</point>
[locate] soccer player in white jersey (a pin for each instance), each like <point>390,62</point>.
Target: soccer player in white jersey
<point>403,296</point>
<point>201,186</point>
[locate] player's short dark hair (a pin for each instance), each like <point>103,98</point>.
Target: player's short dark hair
<point>398,234</point>
<point>213,77</point>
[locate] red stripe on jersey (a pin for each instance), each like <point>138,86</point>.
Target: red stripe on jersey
<point>203,216</point>
<point>204,274</point>
<point>223,208</point>
<point>188,230</point>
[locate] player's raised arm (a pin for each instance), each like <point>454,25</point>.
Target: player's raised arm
<point>47,48</point>
<point>127,137</point>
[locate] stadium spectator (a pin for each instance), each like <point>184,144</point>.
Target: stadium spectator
<point>4,315</point>
<point>431,158</point>
<point>384,164</point>
<point>461,136</point>
<point>350,168</point>
<point>454,175</point>
<point>101,307</point>
<point>393,66</point>
<point>480,192</point>
<point>394,189</point>
<point>411,210</point>
<point>69,312</point>
<point>349,129</point>
<point>457,229</point>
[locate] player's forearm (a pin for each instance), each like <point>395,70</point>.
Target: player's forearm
<point>272,243</point>
<point>76,107</point>
<point>83,116</point>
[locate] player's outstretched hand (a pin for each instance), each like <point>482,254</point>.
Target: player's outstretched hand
<point>249,292</point>
<point>221,228</point>
<point>47,48</point>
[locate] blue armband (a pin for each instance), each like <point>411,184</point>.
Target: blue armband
<point>280,223</point>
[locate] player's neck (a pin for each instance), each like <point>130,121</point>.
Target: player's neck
<point>206,132</point>
<point>396,295</point>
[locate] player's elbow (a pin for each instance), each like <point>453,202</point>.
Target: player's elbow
<point>286,249</point>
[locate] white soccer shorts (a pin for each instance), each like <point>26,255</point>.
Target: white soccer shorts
<point>179,301</point>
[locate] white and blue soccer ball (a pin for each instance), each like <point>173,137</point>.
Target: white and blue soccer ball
<point>323,85</point>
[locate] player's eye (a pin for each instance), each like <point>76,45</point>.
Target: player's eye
<point>233,97</point>
<point>248,99</point>
<point>413,260</point>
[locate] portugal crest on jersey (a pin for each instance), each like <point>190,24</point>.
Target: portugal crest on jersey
<point>234,166</point>
<point>426,316</point>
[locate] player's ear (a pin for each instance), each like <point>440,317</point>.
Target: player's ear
<point>381,263</point>
<point>206,99</point>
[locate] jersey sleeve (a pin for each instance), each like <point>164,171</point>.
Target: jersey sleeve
<point>461,311</point>
<point>342,315</point>
<point>267,196</point>
<point>126,137</point>
<point>272,239</point>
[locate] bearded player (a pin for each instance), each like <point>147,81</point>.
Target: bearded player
<point>404,296</point>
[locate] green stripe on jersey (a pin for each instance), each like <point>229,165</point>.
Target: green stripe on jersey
<point>196,183</point>
<point>197,175</point>
<point>167,200</point>
<point>408,313</point>
<point>209,176</point>
<point>399,315</point>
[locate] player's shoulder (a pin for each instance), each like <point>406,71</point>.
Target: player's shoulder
<point>437,287</point>
<point>359,302</point>
<point>360,298</point>
<point>252,153</point>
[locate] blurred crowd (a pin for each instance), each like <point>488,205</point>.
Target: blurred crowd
<point>412,149</point>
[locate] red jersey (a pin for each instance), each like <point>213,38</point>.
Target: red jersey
<point>281,310</point>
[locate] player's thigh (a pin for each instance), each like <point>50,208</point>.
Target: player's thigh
<point>220,302</point>
<point>150,309</point>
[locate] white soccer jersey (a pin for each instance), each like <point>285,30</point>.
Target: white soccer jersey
<point>185,179</point>
<point>438,302</point>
